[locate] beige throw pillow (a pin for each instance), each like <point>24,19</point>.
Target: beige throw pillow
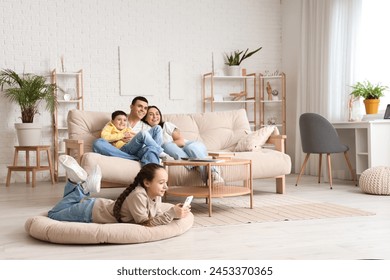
<point>255,140</point>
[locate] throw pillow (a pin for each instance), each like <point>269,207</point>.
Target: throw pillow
<point>255,140</point>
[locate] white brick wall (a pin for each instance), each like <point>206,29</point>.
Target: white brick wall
<point>34,35</point>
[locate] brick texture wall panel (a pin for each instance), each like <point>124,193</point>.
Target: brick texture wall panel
<point>34,35</point>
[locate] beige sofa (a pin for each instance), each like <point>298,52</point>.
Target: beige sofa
<point>219,131</point>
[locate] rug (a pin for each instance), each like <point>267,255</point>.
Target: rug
<point>267,208</point>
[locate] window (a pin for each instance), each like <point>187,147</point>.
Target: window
<point>374,41</point>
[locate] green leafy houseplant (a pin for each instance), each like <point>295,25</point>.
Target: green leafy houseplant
<point>367,90</point>
<point>371,94</point>
<point>28,91</point>
<point>235,58</point>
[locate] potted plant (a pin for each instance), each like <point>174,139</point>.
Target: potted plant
<point>28,91</point>
<point>233,60</point>
<point>371,94</point>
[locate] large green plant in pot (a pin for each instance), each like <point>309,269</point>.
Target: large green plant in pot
<point>28,91</point>
<point>371,94</point>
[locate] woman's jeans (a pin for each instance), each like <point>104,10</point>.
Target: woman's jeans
<point>192,149</point>
<point>145,146</point>
<point>75,206</point>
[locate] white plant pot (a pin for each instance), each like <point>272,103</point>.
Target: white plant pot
<point>234,70</point>
<point>29,134</point>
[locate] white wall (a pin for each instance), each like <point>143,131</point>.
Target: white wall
<point>291,34</point>
<point>34,35</point>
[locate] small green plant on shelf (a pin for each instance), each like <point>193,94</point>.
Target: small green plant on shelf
<point>235,58</point>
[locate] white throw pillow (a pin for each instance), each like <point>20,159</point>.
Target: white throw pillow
<point>255,140</point>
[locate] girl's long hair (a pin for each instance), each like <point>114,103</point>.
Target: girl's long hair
<point>147,172</point>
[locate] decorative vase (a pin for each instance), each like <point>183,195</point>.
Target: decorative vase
<point>371,105</point>
<point>234,70</point>
<point>29,134</point>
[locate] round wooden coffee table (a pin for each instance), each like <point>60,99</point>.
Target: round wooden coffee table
<point>237,175</point>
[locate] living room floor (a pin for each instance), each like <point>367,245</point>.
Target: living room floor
<point>350,238</point>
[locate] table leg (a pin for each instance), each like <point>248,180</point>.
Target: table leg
<point>33,177</point>
<point>210,183</point>
<point>251,183</point>
<point>27,164</point>
<point>50,165</point>
<point>38,157</point>
<point>8,177</point>
<point>16,153</point>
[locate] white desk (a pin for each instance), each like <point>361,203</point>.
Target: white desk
<point>369,145</point>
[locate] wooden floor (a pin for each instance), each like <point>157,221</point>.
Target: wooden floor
<point>325,239</point>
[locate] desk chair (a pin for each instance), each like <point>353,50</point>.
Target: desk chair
<point>318,136</point>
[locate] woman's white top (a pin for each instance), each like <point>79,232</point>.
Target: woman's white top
<point>167,130</point>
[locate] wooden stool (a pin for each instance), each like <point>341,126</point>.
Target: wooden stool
<point>28,168</point>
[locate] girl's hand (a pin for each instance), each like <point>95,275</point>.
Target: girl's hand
<point>180,211</point>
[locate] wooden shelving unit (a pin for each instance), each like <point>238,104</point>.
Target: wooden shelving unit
<point>70,95</point>
<point>234,90</point>
<point>273,101</point>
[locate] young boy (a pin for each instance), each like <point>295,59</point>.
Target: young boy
<point>116,131</point>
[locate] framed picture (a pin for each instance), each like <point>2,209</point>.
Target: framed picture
<point>387,113</point>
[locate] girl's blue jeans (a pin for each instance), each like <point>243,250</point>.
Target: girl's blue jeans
<point>75,206</point>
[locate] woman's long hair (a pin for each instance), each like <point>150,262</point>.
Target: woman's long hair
<point>161,123</point>
<point>147,172</point>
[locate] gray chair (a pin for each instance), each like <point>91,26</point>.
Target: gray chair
<point>318,136</point>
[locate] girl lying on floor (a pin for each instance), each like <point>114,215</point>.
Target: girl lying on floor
<point>139,203</point>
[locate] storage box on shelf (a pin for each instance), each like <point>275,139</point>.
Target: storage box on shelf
<point>230,90</point>
<point>273,101</point>
<point>70,95</point>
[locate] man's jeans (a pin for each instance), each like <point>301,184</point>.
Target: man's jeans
<point>145,146</point>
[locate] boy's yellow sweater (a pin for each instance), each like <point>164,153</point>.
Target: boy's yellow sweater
<point>114,135</point>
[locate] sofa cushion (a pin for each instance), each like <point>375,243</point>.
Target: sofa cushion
<point>267,163</point>
<point>255,140</point>
<point>217,130</point>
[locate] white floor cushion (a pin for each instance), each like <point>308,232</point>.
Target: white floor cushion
<point>43,228</point>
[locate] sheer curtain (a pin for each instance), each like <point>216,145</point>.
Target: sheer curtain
<point>373,59</point>
<point>329,31</point>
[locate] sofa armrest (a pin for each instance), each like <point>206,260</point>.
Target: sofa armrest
<point>279,141</point>
<point>74,148</point>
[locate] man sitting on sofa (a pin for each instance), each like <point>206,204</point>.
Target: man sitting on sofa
<point>144,142</point>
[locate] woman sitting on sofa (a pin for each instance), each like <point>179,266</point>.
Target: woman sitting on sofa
<point>176,146</point>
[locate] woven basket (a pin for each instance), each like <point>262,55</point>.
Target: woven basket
<point>376,180</point>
